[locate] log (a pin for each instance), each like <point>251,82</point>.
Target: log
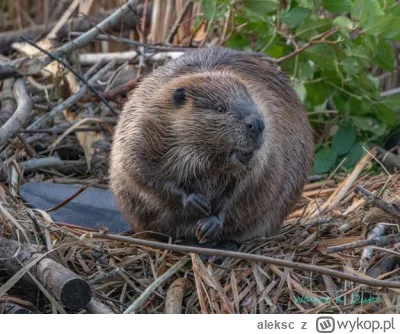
<point>72,291</point>
<point>11,308</point>
<point>79,24</point>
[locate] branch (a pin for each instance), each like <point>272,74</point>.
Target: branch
<point>380,241</point>
<point>321,38</point>
<point>23,66</point>
<point>370,198</point>
<point>65,64</point>
<point>21,114</point>
<point>248,257</point>
<point>72,99</point>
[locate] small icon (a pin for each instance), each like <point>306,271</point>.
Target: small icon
<point>325,325</point>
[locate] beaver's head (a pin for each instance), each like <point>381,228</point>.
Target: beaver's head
<point>215,115</point>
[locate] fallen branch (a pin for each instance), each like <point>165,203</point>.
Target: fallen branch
<point>21,114</point>
<point>248,257</point>
<point>78,24</point>
<point>71,290</point>
<point>121,57</point>
<point>380,241</point>
<point>65,64</point>
<point>29,66</point>
<point>32,165</point>
<point>370,198</point>
<point>71,100</point>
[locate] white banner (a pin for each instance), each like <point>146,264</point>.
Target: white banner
<point>204,324</point>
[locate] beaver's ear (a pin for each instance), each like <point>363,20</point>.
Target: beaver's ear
<point>179,97</point>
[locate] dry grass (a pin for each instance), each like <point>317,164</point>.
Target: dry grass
<point>121,274</point>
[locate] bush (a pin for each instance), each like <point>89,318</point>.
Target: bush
<point>333,52</point>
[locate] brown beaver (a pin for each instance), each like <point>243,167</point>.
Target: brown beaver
<point>214,145</point>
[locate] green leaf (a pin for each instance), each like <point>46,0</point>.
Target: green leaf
<point>354,155</point>
<point>305,70</point>
<point>317,93</point>
<point>295,16</point>
<point>324,160</point>
<point>365,10</point>
<point>378,25</point>
<point>369,124</point>
<point>386,114</point>
<point>261,7</point>
<point>238,42</point>
<point>300,90</point>
<point>337,6</point>
<point>209,7</point>
<point>322,55</point>
<point>343,22</point>
<point>312,4</point>
<point>351,66</point>
<point>343,140</point>
<point>275,51</point>
<point>385,56</point>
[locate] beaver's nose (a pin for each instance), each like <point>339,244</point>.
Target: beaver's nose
<point>255,125</point>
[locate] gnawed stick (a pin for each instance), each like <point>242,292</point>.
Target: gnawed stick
<point>381,241</point>
<point>68,288</point>
<point>374,200</point>
<point>173,302</point>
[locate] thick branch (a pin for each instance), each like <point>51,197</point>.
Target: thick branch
<point>21,114</point>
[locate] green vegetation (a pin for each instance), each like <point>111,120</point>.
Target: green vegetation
<point>334,52</point>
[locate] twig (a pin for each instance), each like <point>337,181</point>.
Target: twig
<point>380,241</point>
<point>27,146</point>
<point>370,198</point>
<point>155,284</point>
<point>318,39</point>
<point>73,71</point>
<point>72,99</point>
<point>69,199</point>
<point>21,114</point>
<point>248,257</point>
<point>178,21</point>
<point>53,33</point>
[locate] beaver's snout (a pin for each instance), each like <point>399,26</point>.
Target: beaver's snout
<point>255,127</point>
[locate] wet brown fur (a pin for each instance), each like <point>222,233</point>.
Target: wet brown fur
<point>161,152</point>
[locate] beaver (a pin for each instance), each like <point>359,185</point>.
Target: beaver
<point>213,146</point>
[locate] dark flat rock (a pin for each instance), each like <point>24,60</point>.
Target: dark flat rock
<point>92,208</point>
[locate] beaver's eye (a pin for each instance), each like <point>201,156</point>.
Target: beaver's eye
<point>220,109</point>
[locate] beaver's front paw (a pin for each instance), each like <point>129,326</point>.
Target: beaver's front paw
<point>208,229</point>
<point>197,204</point>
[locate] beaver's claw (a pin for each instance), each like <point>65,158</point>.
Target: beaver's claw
<point>208,229</point>
<point>197,204</point>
